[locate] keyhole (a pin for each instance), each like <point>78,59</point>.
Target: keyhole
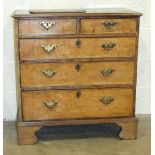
<point>78,94</point>
<point>77,67</point>
<point>78,43</point>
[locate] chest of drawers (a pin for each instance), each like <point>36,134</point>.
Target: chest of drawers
<point>76,68</point>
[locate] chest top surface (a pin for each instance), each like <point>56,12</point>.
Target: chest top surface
<point>76,13</point>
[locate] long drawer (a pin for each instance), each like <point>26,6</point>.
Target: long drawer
<point>108,26</point>
<point>36,49</point>
<point>72,73</point>
<point>86,103</point>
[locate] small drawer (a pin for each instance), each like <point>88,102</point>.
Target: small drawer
<point>33,49</point>
<point>84,103</point>
<point>47,27</point>
<point>108,26</point>
<point>75,74</point>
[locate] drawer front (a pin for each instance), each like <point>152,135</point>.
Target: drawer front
<point>82,73</point>
<point>107,26</point>
<point>64,104</point>
<point>47,27</point>
<point>31,49</point>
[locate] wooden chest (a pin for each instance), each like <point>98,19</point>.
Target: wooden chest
<point>76,68</point>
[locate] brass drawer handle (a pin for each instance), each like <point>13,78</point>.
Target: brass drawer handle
<point>109,24</point>
<point>108,46</point>
<point>48,48</point>
<point>107,71</point>
<point>47,25</point>
<point>107,100</point>
<point>50,104</point>
<point>48,73</point>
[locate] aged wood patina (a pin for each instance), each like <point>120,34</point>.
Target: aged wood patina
<point>76,68</point>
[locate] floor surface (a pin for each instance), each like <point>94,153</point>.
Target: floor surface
<point>83,140</point>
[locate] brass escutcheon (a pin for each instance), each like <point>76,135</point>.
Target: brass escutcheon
<point>78,43</point>
<point>78,67</point>
<point>78,94</point>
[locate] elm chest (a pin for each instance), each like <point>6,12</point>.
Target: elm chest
<point>76,68</point>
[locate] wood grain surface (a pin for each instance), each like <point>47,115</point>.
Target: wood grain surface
<point>95,26</point>
<point>62,26</point>
<point>77,83</point>
<point>89,74</point>
<point>31,49</point>
<point>104,13</point>
<point>88,105</point>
